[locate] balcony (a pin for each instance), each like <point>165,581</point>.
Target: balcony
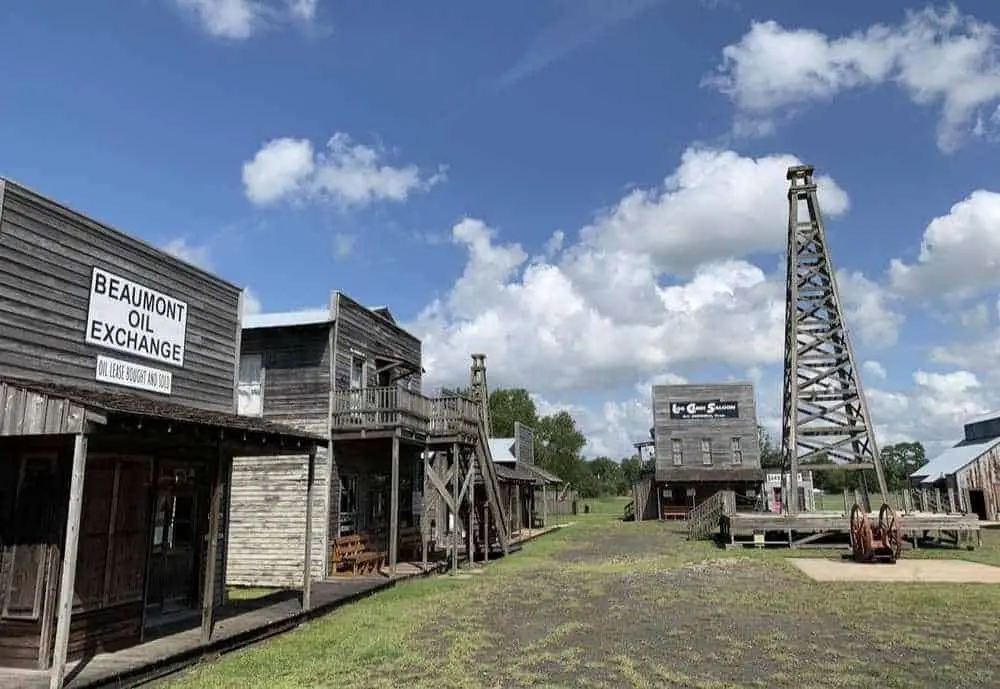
<point>453,416</point>
<point>385,409</point>
<point>379,409</point>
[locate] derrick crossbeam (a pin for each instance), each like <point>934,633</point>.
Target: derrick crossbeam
<point>824,412</point>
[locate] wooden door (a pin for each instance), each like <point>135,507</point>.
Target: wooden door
<point>177,535</point>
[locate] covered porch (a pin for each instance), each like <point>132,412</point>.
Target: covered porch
<point>112,511</point>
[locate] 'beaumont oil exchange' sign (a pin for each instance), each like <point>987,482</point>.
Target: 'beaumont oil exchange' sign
<point>131,318</point>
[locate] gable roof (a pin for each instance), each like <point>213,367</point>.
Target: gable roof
<point>953,459</point>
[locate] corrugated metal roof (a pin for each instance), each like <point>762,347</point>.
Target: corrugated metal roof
<point>983,417</point>
<point>953,459</point>
<point>502,449</point>
<point>287,319</point>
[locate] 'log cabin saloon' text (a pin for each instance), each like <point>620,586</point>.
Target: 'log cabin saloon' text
<point>132,318</point>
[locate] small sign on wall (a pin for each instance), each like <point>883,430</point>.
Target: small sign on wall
<point>129,317</point>
<point>127,374</point>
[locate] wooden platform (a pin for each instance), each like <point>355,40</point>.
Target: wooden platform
<point>807,527</point>
<point>239,623</point>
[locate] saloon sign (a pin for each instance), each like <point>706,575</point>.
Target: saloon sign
<point>712,409</point>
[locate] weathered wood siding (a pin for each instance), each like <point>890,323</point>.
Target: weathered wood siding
<point>982,474</point>
<point>692,431</point>
<point>361,331</point>
<point>524,443</point>
<point>267,521</point>
<point>47,256</point>
<point>644,494</point>
<point>266,544</point>
<point>296,362</point>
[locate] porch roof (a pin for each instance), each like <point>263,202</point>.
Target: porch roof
<point>514,474</point>
<point>50,408</point>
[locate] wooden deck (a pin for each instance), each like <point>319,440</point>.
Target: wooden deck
<point>807,527</point>
<point>239,623</point>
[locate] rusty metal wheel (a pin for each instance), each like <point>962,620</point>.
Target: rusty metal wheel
<point>861,534</point>
<point>890,531</point>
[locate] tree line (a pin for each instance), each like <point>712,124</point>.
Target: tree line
<point>898,462</point>
<point>559,446</point>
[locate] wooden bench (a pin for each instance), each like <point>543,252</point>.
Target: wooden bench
<point>358,552</point>
<point>675,512</point>
<point>411,543</point>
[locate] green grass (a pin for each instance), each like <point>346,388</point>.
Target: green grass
<point>602,603</point>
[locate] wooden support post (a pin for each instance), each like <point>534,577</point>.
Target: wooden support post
<point>470,522</point>
<point>394,508</point>
<point>425,522</point>
<point>545,506</point>
<point>938,504</point>
<point>847,503</point>
<point>310,493</point>
<point>211,551</point>
<point>924,499</point>
<point>951,500</point>
<point>68,577</point>
<point>486,533</point>
<point>907,502</point>
<point>456,477</point>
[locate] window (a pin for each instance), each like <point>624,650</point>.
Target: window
<point>677,451</point>
<point>706,451</point>
<point>250,388</point>
<point>737,449</point>
<point>358,370</point>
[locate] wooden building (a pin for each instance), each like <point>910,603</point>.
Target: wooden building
<point>777,485</point>
<point>706,441</point>
<point>525,487</point>
<point>117,430</point>
<point>966,477</point>
<point>347,372</point>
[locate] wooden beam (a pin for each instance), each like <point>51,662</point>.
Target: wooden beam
<point>212,551</point>
<point>470,521</point>
<point>846,466</point>
<point>394,507</point>
<point>68,578</point>
<point>454,505</point>
<point>425,521</point>
<point>310,494</point>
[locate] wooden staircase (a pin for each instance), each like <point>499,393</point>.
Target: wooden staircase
<point>705,519</point>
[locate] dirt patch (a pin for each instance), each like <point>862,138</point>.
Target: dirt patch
<point>911,571</point>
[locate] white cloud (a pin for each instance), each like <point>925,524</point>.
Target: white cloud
<point>875,368</point>
<point>867,310</point>
<point>196,254</point>
<point>251,303</point>
<point>348,174</point>
<point>937,57</point>
<point>343,244</point>
<point>959,254</point>
<point>636,295</point>
<point>240,19</point>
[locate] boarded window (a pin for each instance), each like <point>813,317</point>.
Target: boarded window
<point>29,537</point>
<point>737,448</point>
<point>251,385</point>
<point>706,451</point>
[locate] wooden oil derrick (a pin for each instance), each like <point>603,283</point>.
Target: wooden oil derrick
<point>480,390</point>
<point>824,412</point>
<point>480,393</point>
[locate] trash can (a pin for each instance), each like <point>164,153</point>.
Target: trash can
<point>586,509</point>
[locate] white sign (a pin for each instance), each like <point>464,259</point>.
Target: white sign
<point>131,318</point>
<point>118,372</point>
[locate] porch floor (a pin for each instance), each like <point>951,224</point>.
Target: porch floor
<point>238,623</point>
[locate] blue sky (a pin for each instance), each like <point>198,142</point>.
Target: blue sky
<point>423,156</point>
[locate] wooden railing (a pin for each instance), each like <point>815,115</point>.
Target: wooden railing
<point>453,415</point>
<point>703,520</point>
<point>378,408</point>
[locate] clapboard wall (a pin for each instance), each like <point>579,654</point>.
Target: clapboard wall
<point>266,544</point>
<point>47,256</point>
<point>362,332</point>
<point>691,431</point>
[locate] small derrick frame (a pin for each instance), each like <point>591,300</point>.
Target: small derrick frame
<point>824,411</point>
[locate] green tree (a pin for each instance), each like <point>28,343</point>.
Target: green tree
<point>558,444</point>
<point>509,405</point>
<point>601,477</point>
<point>901,460</point>
<point>631,470</point>
<point>770,454</point>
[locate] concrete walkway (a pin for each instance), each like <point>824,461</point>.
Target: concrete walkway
<point>912,571</point>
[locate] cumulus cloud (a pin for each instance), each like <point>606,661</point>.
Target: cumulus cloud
<point>959,254</point>
<point>938,57</point>
<point>875,369</point>
<point>196,254</point>
<point>251,303</point>
<point>348,174</point>
<point>240,19</point>
<point>659,284</point>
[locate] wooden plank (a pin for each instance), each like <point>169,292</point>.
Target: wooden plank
<point>212,552</point>
<point>394,507</point>
<point>68,578</point>
<point>307,558</point>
